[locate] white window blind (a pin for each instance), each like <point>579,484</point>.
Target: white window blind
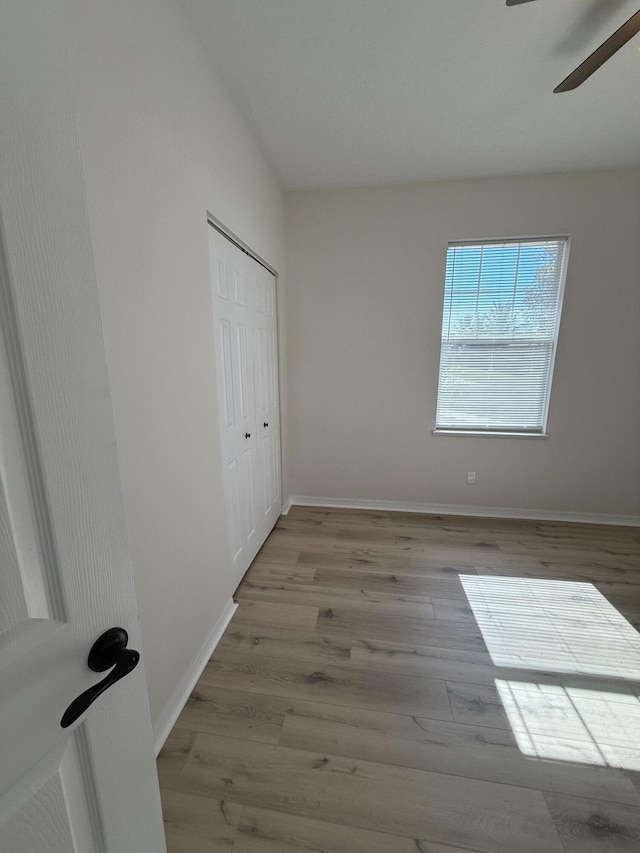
<point>502,303</point>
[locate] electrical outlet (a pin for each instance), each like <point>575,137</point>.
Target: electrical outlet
<point>471,478</point>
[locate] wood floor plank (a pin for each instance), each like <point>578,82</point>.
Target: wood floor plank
<point>271,555</point>
<point>469,546</point>
<point>634,776</point>
<point>233,713</point>
<point>451,810</point>
<point>405,565</point>
<point>310,647</point>
<point>477,704</point>
<point>393,537</point>
<point>592,826</point>
<point>274,613</point>
<point>516,528</point>
<point>538,553</point>
<point>454,665</point>
<point>628,606</point>
<point>264,573</point>
<point>351,542</point>
<point>453,609</point>
<point>250,843</point>
<point>430,587</point>
<point>400,519</point>
<point>443,747</point>
<point>265,831</point>
<point>396,526</point>
<point>388,582</point>
<point>579,543</point>
<point>329,683</point>
<point>173,753</point>
<point>618,590</point>
<point>616,544</point>
<point>427,661</point>
<point>284,592</point>
<point>562,571</point>
<point>198,824</point>
<point>387,622</point>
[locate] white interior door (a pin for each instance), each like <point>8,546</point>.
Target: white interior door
<point>233,293</point>
<point>267,398</point>
<point>244,298</point>
<point>66,574</point>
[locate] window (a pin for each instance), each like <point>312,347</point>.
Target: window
<point>502,302</point>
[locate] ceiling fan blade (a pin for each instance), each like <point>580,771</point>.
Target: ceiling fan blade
<point>517,2</point>
<point>601,54</point>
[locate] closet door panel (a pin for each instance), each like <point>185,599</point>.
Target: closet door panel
<point>234,368</point>
<point>244,416</point>
<point>233,499</point>
<point>225,361</point>
<point>268,414</point>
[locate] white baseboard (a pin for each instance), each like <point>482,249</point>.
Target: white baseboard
<point>286,506</point>
<point>457,509</point>
<point>178,699</point>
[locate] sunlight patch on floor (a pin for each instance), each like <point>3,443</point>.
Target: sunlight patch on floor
<point>570,628</point>
<point>574,724</point>
<point>554,626</point>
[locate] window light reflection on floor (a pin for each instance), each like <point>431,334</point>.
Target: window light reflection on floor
<point>554,626</point>
<point>573,724</point>
<point>591,716</point>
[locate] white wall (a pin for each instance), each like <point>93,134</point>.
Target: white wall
<point>365,271</point>
<point>161,144</point>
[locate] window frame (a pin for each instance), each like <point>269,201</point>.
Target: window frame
<point>468,430</point>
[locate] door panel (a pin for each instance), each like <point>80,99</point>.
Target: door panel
<point>226,373</point>
<point>243,358</point>
<point>51,796</point>
<point>239,288</point>
<point>262,372</point>
<point>269,457</point>
<point>247,459</point>
<point>234,506</point>
<point>222,279</point>
<point>23,595</point>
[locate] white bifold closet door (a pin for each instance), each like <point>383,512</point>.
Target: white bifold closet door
<point>244,306</point>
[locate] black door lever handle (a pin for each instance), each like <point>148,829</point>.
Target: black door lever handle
<point>109,650</point>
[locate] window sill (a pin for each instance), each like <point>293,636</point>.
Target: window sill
<point>487,434</point>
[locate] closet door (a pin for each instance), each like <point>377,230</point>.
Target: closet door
<point>267,400</point>
<point>232,296</point>
<point>244,302</point>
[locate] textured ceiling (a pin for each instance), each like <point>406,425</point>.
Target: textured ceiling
<point>349,92</point>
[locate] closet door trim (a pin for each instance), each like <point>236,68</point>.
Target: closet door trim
<point>233,238</point>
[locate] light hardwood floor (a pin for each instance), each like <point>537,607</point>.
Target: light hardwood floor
<point>399,683</point>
